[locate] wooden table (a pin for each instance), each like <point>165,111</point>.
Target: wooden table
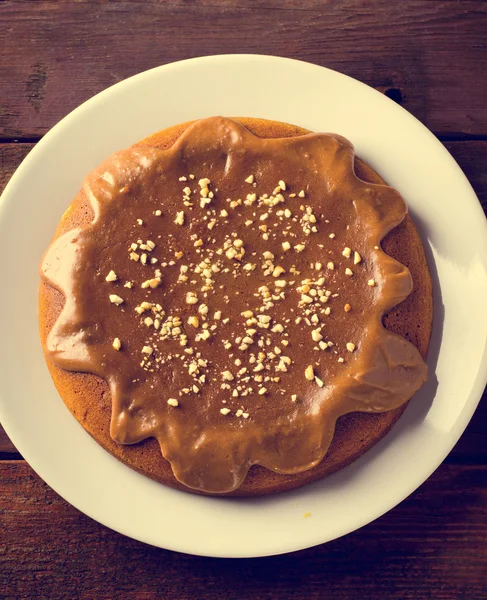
<point>429,56</point>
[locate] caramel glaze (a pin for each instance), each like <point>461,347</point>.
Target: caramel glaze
<point>289,426</point>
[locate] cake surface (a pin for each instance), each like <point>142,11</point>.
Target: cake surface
<point>338,360</point>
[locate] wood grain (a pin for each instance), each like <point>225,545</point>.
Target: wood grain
<point>428,55</point>
<point>11,155</point>
<point>428,547</point>
<point>7,449</point>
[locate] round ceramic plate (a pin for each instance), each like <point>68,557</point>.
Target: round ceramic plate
<point>408,156</point>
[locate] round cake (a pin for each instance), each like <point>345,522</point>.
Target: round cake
<point>227,307</point>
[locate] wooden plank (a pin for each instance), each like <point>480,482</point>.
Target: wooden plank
<point>11,155</point>
<point>434,545</point>
<point>7,449</point>
<point>428,55</point>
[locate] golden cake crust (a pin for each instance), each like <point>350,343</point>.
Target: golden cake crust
<point>88,397</point>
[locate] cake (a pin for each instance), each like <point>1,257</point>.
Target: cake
<point>228,306</point>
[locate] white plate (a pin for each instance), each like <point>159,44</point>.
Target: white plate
<point>409,157</point>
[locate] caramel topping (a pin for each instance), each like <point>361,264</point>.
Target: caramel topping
<point>220,264</point>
